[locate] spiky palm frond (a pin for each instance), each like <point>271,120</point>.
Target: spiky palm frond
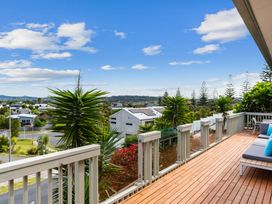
<point>77,115</point>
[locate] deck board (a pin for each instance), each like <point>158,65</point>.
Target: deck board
<point>212,177</point>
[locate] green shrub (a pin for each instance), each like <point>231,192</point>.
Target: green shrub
<point>32,151</point>
<point>131,139</point>
<point>39,122</point>
<point>4,143</point>
<point>258,99</point>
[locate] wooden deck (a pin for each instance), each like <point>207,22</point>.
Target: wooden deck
<point>212,177</point>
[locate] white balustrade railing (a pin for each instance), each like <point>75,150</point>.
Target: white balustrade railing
<point>71,161</point>
<point>259,117</point>
<point>70,165</point>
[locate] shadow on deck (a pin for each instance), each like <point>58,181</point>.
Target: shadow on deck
<point>212,177</point>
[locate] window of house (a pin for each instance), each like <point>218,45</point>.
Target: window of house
<point>113,122</point>
<point>113,118</point>
<point>129,124</point>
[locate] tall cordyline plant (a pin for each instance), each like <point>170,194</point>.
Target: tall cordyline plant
<point>77,115</point>
<point>175,110</point>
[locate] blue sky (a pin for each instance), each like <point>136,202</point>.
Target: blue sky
<point>124,47</point>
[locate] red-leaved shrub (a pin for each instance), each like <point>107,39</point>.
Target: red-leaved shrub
<point>127,159</point>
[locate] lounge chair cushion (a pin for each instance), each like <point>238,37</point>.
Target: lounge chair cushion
<point>263,128</point>
<point>268,148</point>
<point>260,142</point>
<point>256,152</point>
<point>263,136</point>
<point>269,130</point>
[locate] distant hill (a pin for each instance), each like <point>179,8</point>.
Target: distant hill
<point>122,99</point>
<point>132,99</point>
<point>17,98</point>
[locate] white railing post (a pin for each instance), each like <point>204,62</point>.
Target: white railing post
<point>150,143</point>
<point>235,123</point>
<point>184,142</point>
<point>219,129</point>
<point>204,135</point>
<point>93,180</point>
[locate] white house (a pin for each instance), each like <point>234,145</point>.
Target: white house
<point>43,107</point>
<point>128,120</point>
<point>25,119</point>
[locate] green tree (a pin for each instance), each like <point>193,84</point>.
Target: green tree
<point>13,143</point>
<point>178,93</point>
<point>39,100</point>
<point>147,127</point>
<point>266,74</point>
<point>258,99</point>
<point>15,125</point>
<point>4,111</point>
<point>77,114</point>
<point>246,85</point>
<point>230,92</point>
<point>160,101</point>
<point>223,104</point>
<point>165,95</point>
<point>203,99</point>
<point>193,99</point>
<point>175,111</point>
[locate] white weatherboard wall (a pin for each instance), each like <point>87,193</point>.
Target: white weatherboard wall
<point>123,117</point>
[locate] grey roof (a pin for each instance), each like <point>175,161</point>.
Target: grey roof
<point>145,111</point>
<point>160,110</point>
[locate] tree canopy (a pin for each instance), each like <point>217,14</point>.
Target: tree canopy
<point>258,99</point>
<point>77,114</point>
<point>266,74</point>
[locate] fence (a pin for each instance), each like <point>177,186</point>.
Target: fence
<point>151,148</point>
<point>260,117</point>
<point>71,161</point>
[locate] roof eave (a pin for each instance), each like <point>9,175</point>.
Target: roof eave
<point>248,16</point>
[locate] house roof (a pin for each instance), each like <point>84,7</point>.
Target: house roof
<point>17,116</point>
<point>257,15</point>
<point>147,113</point>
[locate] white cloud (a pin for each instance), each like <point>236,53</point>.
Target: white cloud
<point>223,26</point>
<point>152,50</point>
<point>53,55</point>
<point>27,39</point>
<point>249,75</point>
<point>14,64</point>
<point>77,36</point>
<point>35,37</point>
<point>38,73</point>
<point>107,67</point>
<point>24,75</point>
<point>21,71</point>
<point>37,26</point>
<point>139,67</point>
<point>120,34</point>
<point>207,49</point>
<point>186,63</point>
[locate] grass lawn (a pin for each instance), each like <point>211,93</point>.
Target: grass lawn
<point>29,131</point>
<point>22,146</point>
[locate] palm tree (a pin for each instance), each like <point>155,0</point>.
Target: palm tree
<point>147,127</point>
<point>77,114</point>
<point>175,111</point>
<point>223,104</point>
